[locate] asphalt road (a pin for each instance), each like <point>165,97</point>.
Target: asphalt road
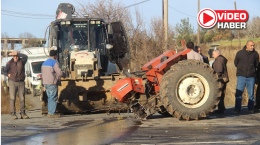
<point>119,129</point>
<point>216,129</point>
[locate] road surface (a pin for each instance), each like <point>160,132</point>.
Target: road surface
<point>120,129</point>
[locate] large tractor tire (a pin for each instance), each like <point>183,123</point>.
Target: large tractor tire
<point>190,90</point>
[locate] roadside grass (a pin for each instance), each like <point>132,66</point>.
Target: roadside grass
<point>235,42</point>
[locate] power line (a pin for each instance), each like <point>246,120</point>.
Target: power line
<point>40,16</point>
<point>24,16</point>
<point>182,12</point>
<point>27,14</point>
<point>136,4</point>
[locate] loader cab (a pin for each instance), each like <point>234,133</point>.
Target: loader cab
<point>90,35</point>
<point>85,34</point>
<point>79,35</point>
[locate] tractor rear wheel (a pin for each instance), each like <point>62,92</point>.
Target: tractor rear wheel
<point>190,90</point>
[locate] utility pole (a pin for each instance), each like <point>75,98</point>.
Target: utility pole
<point>238,31</point>
<point>165,22</point>
<point>198,35</point>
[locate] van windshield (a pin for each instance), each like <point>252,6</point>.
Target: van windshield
<point>36,66</point>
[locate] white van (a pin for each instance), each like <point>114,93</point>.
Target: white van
<point>34,51</point>
<point>36,56</point>
<point>33,74</point>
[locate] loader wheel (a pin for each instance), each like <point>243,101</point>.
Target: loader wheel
<point>190,90</point>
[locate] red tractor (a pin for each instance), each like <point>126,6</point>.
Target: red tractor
<point>171,85</point>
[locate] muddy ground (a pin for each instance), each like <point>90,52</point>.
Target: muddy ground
<point>20,129</point>
<point>118,129</point>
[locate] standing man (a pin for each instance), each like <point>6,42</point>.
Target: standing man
<point>246,61</point>
<point>205,58</point>
<point>16,75</point>
<point>51,73</point>
<point>220,67</point>
<point>257,106</point>
<point>193,54</point>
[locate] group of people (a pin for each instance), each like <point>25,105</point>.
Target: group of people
<point>248,74</point>
<point>51,73</point>
<point>246,62</point>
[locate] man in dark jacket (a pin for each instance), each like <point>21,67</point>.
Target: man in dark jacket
<point>246,61</point>
<point>205,58</point>
<point>220,67</point>
<point>257,106</point>
<point>16,75</point>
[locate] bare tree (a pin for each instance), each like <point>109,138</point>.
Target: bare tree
<point>5,47</point>
<point>144,44</point>
<point>148,44</point>
<point>32,41</point>
<point>137,39</point>
<point>105,9</point>
<point>4,35</point>
<point>253,28</point>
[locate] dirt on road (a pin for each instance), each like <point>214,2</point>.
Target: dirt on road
<point>227,128</point>
<point>19,129</point>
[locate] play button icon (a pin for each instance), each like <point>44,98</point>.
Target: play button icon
<point>207,18</point>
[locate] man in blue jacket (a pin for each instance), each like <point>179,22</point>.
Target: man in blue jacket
<point>51,73</point>
<point>246,61</point>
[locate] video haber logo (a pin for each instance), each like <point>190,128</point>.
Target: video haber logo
<point>225,19</point>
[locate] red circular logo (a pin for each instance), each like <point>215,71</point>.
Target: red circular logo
<point>207,18</point>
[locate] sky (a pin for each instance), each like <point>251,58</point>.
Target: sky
<point>14,24</point>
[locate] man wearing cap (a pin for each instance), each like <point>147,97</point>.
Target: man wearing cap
<point>51,73</point>
<point>16,75</point>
